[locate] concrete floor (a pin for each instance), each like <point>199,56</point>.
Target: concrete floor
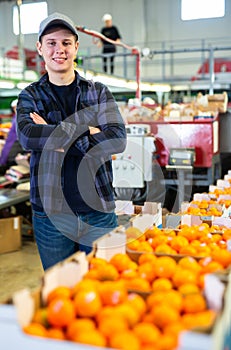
<point>20,269</point>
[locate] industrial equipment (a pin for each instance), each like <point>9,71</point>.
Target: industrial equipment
<point>133,168</point>
<point>182,156</point>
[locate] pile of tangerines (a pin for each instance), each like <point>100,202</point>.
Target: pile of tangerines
<point>198,241</point>
<point>220,192</point>
<point>204,207</point>
<point>125,304</point>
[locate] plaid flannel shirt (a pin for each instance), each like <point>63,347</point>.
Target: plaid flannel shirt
<point>95,106</point>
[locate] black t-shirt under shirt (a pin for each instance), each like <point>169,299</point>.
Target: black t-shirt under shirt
<point>66,96</point>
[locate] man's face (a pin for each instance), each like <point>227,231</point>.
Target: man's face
<point>58,47</point>
<point>108,23</point>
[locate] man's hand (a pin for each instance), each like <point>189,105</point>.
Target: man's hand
<point>93,130</point>
<point>37,119</point>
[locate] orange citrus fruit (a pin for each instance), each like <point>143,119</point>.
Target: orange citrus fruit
<point>120,261</point>
<point>111,325</point>
<point>165,267</point>
<point>125,340</point>
<point>147,258</point>
<point>178,242</point>
<point>188,288</point>
<point>161,284</point>
<point>87,303</point>
<point>56,333</point>
<point>182,276</point>
<point>146,271</point>
<point>112,293</point>
<point>190,263</point>
<point>147,333</point>
<point>40,316</point>
<point>163,315</point>
<point>35,329</point>
<point>93,338</point>
<point>137,302</point>
<point>60,292</point>
<point>79,325</point>
<point>193,303</point>
<point>60,312</point>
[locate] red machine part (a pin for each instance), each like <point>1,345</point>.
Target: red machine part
<point>202,135</point>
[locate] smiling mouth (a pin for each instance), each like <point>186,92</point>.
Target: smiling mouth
<point>57,59</point>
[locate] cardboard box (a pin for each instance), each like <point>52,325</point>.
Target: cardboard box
<point>129,210</point>
<point>10,234</point>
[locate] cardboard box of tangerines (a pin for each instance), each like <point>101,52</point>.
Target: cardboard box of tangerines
<point>107,299</point>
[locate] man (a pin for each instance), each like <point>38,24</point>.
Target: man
<point>111,32</point>
<point>72,126</point>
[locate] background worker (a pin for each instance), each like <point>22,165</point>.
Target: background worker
<point>12,146</point>
<point>72,126</point>
<point>110,31</point>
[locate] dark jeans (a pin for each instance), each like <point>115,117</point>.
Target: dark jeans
<point>59,236</point>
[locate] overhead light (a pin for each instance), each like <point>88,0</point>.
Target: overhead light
<point>22,85</point>
<point>6,84</point>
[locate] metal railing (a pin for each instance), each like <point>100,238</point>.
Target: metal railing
<point>173,62</point>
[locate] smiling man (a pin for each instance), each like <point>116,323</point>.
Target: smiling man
<point>72,126</point>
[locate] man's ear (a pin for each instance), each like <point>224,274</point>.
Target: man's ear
<point>38,46</point>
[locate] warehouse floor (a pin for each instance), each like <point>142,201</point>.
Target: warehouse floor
<point>20,269</point>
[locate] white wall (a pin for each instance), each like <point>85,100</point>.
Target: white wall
<point>139,21</point>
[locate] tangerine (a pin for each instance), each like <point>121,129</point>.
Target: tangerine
<point>87,303</point>
<point>120,261</point>
<point>112,293</point>
<point>165,249</point>
<point>60,312</point>
<point>193,303</point>
<point>190,263</point>
<point>125,340</point>
<point>182,276</point>
<point>178,242</point>
<point>79,325</point>
<point>212,266</point>
<point>56,333</point>
<point>157,240</point>
<point>165,267</point>
<point>133,244</point>
<point>94,338</point>
<point>40,316</point>
<point>60,292</point>
<point>223,257</point>
<point>164,314</point>
<point>137,303</point>
<point>188,288</point>
<point>147,258</point>
<point>167,342</point>
<point>111,325</point>
<point>145,247</point>
<point>161,284</point>
<point>152,232</point>
<point>107,272</point>
<point>138,284</point>
<point>35,329</point>
<point>130,314</point>
<point>147,333</point>
<point>146,271</point>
